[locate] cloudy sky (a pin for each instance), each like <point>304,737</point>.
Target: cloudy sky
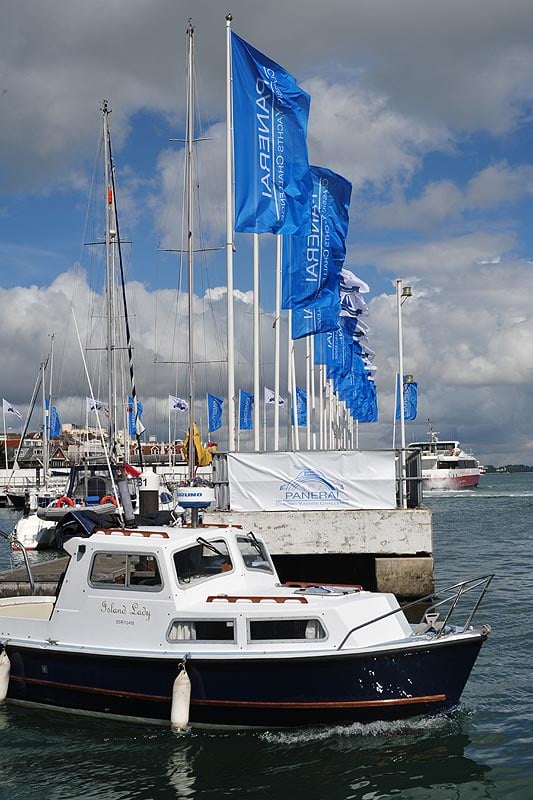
<point>425,107</point>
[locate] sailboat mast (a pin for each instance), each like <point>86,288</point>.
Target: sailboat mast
<point>46,417</point>
<point>110,280</point>
<point>47,411</point>
<point>190,240</point>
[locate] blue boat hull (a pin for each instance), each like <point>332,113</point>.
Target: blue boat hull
<point>260,692</point>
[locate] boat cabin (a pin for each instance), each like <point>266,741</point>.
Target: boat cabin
<point>214,588</point>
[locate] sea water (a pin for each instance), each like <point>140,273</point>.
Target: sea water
<point>484,749</point>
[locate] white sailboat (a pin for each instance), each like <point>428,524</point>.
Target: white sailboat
<point>108,486</point>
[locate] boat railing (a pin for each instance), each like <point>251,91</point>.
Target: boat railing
<point>16,544</point>
<point>413,478</point>
<point>449,598</point>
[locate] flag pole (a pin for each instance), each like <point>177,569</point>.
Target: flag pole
<point>290,431</point>
<point>277,340</point>
<point>308,388</point>
<point>169,450</point>
<point>264,425</point>
<point>394,412</point>
<point>257,428</point>
<point>313,394</point>
<point>5,434</point>
<point>321,406</point>
<point>229,242</point>
<point>292,369</point>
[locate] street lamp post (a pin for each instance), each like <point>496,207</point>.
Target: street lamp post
<point>402,293</point>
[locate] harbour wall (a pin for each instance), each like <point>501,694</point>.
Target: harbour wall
<point>386,550</point>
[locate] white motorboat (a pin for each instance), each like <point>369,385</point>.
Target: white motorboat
<point>190,625</point>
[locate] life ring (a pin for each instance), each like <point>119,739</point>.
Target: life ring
<point>65,501</point>
<point>108,499</point>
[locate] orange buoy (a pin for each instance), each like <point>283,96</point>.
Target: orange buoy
<point>65,501</point>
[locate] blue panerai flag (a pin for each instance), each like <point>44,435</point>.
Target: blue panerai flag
<point>214,412</point>
<point>301,406</point>
<point>273,182</point>
<point>54,424</point>
<point>315,318</point>
<point>135,426</point>
<point>312,260</point>
<point>246,405</point>
<point>410,398</point>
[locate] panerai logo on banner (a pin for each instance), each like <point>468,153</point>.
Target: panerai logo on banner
<point>311,486</point>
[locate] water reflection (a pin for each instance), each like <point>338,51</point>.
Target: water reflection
<point>75,757</point>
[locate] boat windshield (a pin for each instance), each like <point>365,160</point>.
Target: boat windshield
<point>201,561</point>
<point>254,554</point>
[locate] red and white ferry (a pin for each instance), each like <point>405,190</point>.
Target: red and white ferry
<point>445,465</point>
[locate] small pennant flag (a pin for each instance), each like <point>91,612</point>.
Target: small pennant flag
<point>177,404</point>
<point>9,409</point>
<point>270,398</point>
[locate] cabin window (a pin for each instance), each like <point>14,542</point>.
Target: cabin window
<point>205,559</point>
<point>202,630</point>
<point>254,554</point>
<point>268,630</point>
<point>126,570</point>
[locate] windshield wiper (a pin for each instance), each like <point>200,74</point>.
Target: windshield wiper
<point>211,547</point>
<point>255,542</point>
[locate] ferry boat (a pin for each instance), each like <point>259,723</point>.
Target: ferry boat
<point>445,465</point>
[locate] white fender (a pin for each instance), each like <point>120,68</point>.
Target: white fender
<point>5,668</point>
<point>181,700</point>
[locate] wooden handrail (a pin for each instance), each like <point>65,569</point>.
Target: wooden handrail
<point>256,598</point>
<point>132,532</point>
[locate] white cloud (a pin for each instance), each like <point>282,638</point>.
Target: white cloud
<point>494,186</point>
<point>359,134</point>
<point>390,82</point>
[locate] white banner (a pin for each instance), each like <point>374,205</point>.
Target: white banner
<point>311,481</point>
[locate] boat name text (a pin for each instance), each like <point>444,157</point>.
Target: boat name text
<point>120,610</point>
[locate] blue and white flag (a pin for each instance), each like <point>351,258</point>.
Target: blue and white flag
<point>135,426</point>
<point>314,319</point>
<point>312,260</point>
<point>351,283</point>
<point>54,423</point>
<point>328,347</point>
<point>409,397</point>
<point>177,404</point>
<point>214,412</point>
<point>273,182</point>
<point>270,398</point>
<point>97,405</point>
<point>301,406</point>
<point>10,409</point>
<point>246,405</point>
